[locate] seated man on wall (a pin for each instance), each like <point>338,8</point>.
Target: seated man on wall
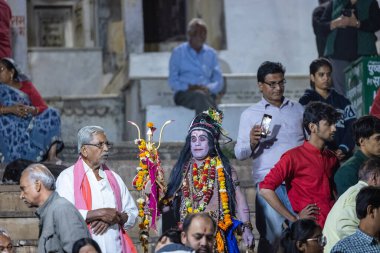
<point>194,72</point>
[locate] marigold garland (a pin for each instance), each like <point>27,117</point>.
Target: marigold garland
<point>148,154</point>
<point>203,186</point>
<point>226,222</point>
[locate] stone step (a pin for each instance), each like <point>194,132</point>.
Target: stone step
<point>23,225</point>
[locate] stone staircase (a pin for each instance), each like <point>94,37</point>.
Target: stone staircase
<point>22,225</point>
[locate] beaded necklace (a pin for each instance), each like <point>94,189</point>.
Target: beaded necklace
<point>200,187</point>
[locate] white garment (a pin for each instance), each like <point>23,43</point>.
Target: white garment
<point>102,197</point>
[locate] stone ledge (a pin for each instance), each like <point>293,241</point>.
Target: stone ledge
<point>17,214</point>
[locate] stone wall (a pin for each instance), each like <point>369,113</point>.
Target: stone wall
<point>106,111</point>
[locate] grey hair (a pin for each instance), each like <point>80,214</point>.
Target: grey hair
<point>4,232</point>
<point>40,172</point>
<point>195,22</point>
<point>369,168</point>
<point>85,135</point>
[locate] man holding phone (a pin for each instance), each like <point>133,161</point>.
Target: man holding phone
<point>285,132</point>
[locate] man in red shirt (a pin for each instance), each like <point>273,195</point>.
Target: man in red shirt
<point>5,29</point>
<point>307,170</point>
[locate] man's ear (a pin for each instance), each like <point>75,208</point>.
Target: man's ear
<point>312,127</point>
<point>312,78</point>
<point>301,246</point>
<point>373,179</point>
<point>260,85</point>
<point>83,151</point>
<point>37,185</point>
<point>183,238</point>
<point>370,211</point>
<point>361,141</point>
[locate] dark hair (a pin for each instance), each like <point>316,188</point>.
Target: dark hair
<point>323,1</point>
<point>9,64</point>
<point>301,230</point>
<point>316,65</point>
<point>83,242</point>
<point>268,67</point>
<point>173,234</point>
<point>368,168</point>
<point>317,111</point>
<point>367,196</point>
<point>365,127</point>
<point>190,217</point>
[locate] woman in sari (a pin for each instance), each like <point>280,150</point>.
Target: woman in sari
<point>29,129</point>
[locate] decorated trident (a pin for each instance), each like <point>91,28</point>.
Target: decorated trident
<point>149,181</point>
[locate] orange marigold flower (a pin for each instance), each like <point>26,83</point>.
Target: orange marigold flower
<point>150,124</point>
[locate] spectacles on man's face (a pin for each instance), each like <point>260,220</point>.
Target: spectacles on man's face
<point>321,240</point>
<point>274,84</point>
<point>8,248</point>
<point>100,145</point>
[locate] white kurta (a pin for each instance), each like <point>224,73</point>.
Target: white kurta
<point>102,197</point>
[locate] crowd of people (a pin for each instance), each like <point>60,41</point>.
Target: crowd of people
<point>316,191</point>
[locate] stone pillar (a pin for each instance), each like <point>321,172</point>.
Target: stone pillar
<point>19,33</point>
<point>133,25</point>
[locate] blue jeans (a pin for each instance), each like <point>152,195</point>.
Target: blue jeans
<point>269,221</point>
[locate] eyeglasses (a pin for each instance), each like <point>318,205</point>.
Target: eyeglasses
<point>100,145</point>
<point>273,85</point>
<point>321,240</point>
<point>6,249</point>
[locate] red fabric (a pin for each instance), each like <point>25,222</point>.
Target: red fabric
<point>35,97</point>
<point>5,30</point>
<point>86,193</point>
<point>309,175</point>
<point>375,108</point>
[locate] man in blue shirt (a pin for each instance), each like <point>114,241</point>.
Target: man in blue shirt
<point>366,237</point>
<point>194,72</point>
